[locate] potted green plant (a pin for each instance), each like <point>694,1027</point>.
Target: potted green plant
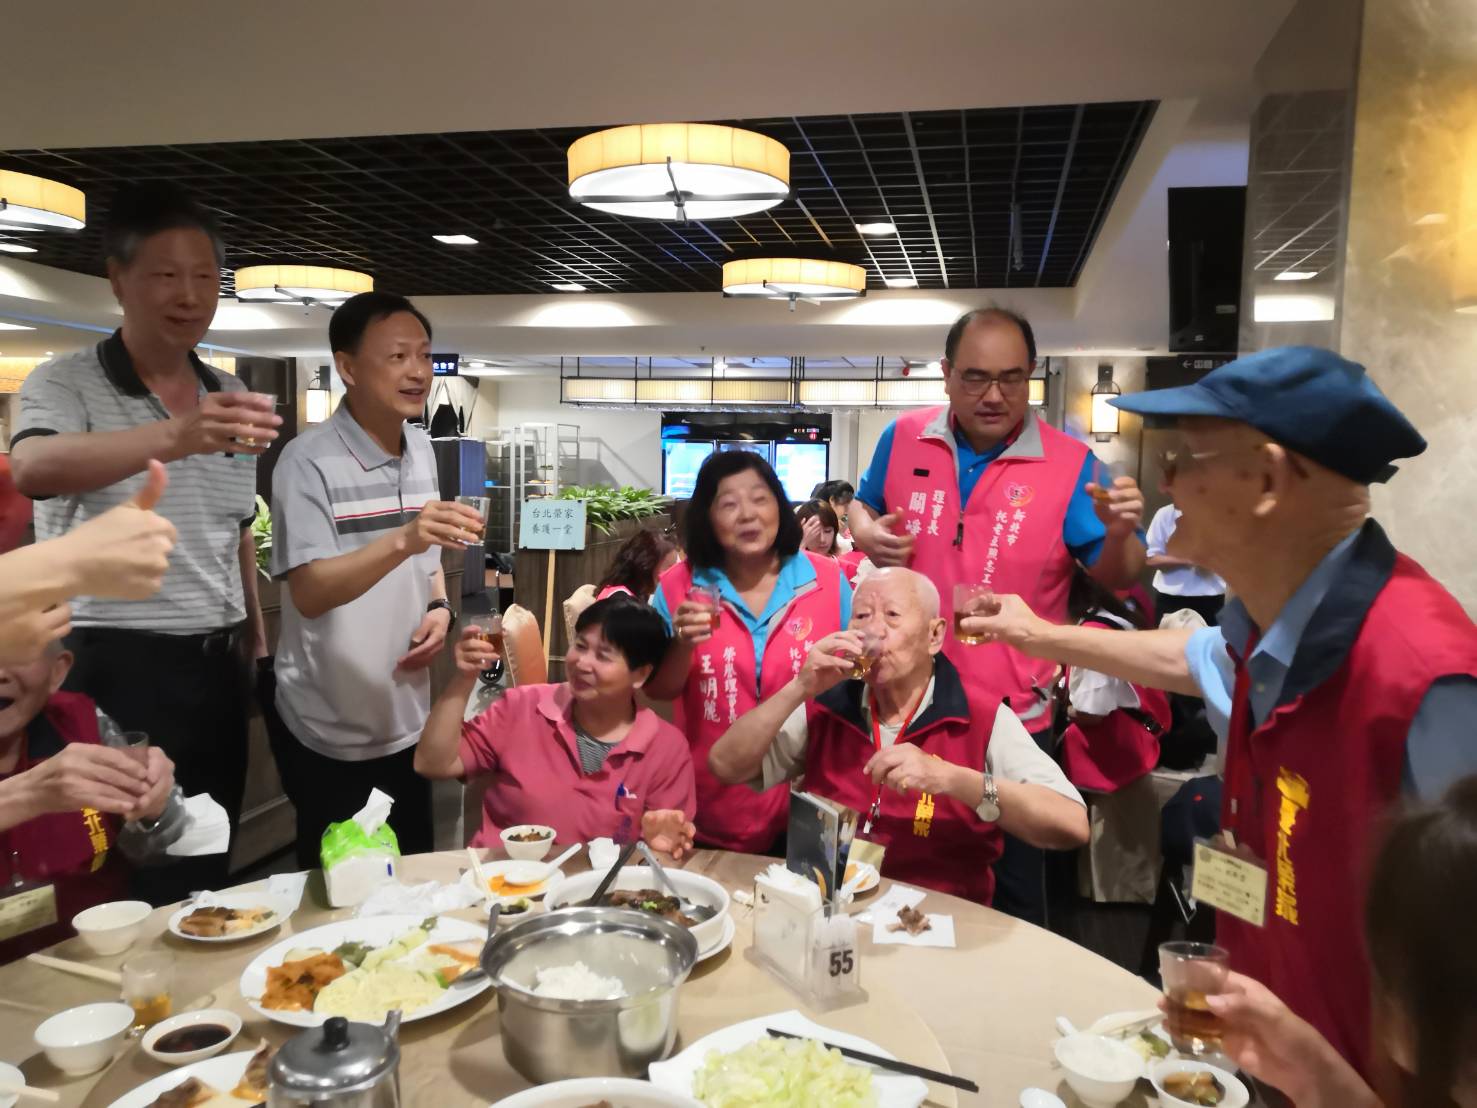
<point>261,536</point>
<point>605,506</point>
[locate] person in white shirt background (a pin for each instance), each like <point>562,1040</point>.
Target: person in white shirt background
<point>1178,583</point>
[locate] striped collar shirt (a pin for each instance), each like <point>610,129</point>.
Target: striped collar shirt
<point>335,490</point>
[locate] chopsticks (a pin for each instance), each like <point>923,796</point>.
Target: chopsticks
<point>889,1064</point>
<point>80,969</point>
<point>30,1092</point>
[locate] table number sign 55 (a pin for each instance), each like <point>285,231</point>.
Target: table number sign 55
<point>835,960</point>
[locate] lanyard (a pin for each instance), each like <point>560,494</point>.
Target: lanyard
<point>1240,775</point>
<point>875,811</point>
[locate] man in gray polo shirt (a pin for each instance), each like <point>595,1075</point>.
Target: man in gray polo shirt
<point>357,532</point>
<point>171,665</point>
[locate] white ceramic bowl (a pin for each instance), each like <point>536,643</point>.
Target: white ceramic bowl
<point>527,852</point>
<point>10,1076</point>
<point>1237,1095</point>
<point>695,887</point>
<point>111,928</point>
<point>1105,1086</point>
<point>229,1020</point>
<point>84,1040</point>
<point>584,1091</point>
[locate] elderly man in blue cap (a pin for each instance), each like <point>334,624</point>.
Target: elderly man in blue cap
<point>1341,676</point>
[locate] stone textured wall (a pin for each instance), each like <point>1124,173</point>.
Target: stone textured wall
<point>1415,151</point>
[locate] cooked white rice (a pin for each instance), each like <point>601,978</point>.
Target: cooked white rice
<point>576,982</point>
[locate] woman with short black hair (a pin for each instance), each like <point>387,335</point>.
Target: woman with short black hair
<point>580,756</point>
<point>773,601</point>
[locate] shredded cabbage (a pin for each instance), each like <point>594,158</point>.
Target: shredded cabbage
<point>783,1073</point>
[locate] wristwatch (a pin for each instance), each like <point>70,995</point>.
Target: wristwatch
<point>442,602</point>
<point>989,808</point>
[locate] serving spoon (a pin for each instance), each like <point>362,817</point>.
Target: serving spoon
<point>698,913</point>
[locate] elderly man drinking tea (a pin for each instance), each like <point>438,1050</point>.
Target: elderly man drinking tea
<point>943,776</point>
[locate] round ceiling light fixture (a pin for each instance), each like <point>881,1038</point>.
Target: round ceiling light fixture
<point>678,171</point>
<point>794,279</point>
<point>299,283</point>
<point>35,202</point>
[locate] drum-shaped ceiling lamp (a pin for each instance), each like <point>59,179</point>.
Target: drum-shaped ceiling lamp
<point>35,202</point>
<point>678,171</point>
<point>299,283</point>
<point>794,279</point>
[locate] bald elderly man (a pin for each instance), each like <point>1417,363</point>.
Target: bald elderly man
<point>946,775</point>
<point>1341,675</point>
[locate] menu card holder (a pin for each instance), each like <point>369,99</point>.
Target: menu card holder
<point>812,950</point>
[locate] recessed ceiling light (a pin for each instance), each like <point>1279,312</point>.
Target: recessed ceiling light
<point>456,240</point>
<point>935,366</point>
<point>477,365</point>
<point>1296,275</point>
<point>15,327</point>
<point>900,282</point>
<point>876,228</point>
<point>568,286</point>
<point>16,248</point>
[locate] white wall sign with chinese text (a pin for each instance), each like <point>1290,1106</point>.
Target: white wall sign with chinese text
<point>552,525</point>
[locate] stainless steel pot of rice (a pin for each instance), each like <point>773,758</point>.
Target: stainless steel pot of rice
<point>553,1037</point>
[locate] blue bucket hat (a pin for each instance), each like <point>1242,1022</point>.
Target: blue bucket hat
<point>1308,399</point>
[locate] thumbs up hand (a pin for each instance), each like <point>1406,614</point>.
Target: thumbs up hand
<point>124,553</point>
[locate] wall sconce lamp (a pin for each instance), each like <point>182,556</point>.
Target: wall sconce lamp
<point>318,397</point>
<point>1037,396</point>
<point>1104,415</point>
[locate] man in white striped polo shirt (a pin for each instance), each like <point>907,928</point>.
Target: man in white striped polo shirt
<point>357,532</point>
<point>173,665</point>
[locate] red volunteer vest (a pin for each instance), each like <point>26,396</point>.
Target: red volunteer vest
<point>722,686</point>
<point>1009,537</point>
<point>936,842</point>
<point>1118,749</point>
<point>71,850</point>
<point>1308,789</point>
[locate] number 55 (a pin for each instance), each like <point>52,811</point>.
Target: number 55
<point>841,962</point>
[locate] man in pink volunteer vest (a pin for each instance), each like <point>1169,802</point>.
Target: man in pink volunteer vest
<point>1342,676</point>
<point>984,492</point>
<point>907,744</point>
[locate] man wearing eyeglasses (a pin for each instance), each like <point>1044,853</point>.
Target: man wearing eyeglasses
<point>981,491</point>
<point>1341,676</point>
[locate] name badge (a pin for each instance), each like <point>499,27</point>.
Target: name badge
<point>27,909</point>
<point>1230,882</point>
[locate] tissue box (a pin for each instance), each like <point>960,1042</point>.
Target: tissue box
<point>356,862</point>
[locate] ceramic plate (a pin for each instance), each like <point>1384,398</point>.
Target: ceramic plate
<point>498,868</point>
<point>374,931</point>
<point>581,1092</point>
<point>222,1073</point>
<point>676,1074</point>
<point>282,910</point>
<point>725,940</point>
<point>870,877</point>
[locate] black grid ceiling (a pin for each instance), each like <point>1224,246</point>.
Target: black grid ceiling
<point>948,180</point>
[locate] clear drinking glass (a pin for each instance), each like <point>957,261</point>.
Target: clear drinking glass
<point>136,745</point>
<point>1191,972</point>
<point>861,664</point>
<point>489,629</point>
<point>969,599</point>
<point>479,504</point>
<point>148,987</point>
<point>264,401</point>
<point>709,598</point>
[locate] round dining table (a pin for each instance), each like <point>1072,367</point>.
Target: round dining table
<point>985,1009</point>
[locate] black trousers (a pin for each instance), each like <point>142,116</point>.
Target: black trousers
<point>326,790</point>
<point>190,694</point>
<point>1209,607</point>
<point>1021,869</point>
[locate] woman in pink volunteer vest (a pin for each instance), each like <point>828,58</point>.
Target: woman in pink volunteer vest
<point>580,756</point>
<point>774,600</point>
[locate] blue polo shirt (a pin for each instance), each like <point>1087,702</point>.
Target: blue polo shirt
<point>1437,748</point>
<point>1082,531</point>
<point>795,573</point>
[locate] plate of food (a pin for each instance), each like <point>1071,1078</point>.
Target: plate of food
<point>228,1081</point>
<point>742,1064</point>
<point>511,879</point>
<point>363,968</point>
<point>638,887</point>
<point>229,917</point>
<point>870,878</point>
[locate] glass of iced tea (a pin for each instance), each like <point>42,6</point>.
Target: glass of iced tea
<point>148,987</point>
<point>479,504</point>
<point>1191,972</point>
<point>489,629</point>
<point>709,598</point>
<point>969,599</point>
<point>861,664</point>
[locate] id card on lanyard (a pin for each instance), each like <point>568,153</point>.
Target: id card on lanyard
<point>1229,874</point>
<point>874,813</point>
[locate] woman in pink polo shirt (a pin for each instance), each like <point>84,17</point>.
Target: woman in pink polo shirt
<point>639,565</point>
<point>580,756</point>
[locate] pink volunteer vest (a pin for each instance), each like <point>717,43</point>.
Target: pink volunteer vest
<point>722,686</point>
<point>1009,537</point>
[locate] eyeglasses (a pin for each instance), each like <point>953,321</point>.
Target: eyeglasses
<point>973,382</point>
<point>1172,462</point>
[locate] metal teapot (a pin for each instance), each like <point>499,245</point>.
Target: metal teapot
<point>348,1065</point>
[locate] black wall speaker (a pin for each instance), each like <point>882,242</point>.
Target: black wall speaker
<point>1205,246</point>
